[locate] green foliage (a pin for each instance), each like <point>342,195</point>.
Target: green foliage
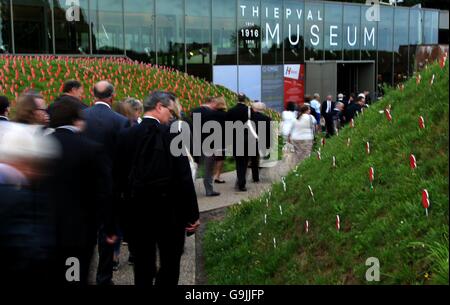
<point>388,222</point>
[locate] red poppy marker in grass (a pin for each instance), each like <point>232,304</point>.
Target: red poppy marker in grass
<point>338,223</point>
<point>371,177</point>
<point>425,201</point>
<point>442,60</point>
<point>421,122</point>
<point>323,142</point>
<point>387,112</point>
<point>412,161</point>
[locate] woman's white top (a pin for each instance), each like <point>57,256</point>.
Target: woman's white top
<point>303,128</point>
<point>287,120</point>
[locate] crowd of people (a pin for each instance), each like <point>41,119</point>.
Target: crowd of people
<point>74,177</point>
<point>300,124</point>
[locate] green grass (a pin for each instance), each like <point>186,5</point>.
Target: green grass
<point>388,222</point>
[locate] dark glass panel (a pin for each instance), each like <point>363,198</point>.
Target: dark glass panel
<point>293,32</point>
<point>5,27</point>
<point>32,26</point>
<point>140,30</point>
<point>107,26</point>
<point>272,29</point>
<point>224,32</point>
<point>198,38</point>
<point>333,31</point>
<point>249,32</point>
<point>71,27</point>
<point>352,26</point>
<point>170,33</point>
<point>314,30</point>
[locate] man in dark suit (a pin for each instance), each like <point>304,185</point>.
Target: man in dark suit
<point>4,108</point>
<point>353,108</point>
<point>103,126</point>
<point>327,113</point>
<point>240,114</point>
<point>263,131</point>
<point>79,189</point>
<point>72,90</point>
<point>161,203</point>
<point>205,113</point>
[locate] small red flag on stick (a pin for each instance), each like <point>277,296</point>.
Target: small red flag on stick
<point>421,122</point>
<point>425,201</point>
<point>412,161</point>
<point>388,114</point>
<point>371,177</point>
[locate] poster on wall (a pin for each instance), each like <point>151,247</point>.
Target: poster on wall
<point>273,87</point>
<point>294,84</point>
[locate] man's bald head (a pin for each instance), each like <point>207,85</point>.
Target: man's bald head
<point>104,91</point>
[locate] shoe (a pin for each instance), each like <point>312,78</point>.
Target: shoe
<point>213,194</point>
<point>219,181</point>
<point>255,181</point>
<point>115,266</point>
<point>242,189</point>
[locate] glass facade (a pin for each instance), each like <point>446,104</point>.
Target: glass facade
<point>385,46</point>
<point>401,44</point>
<point>195,36</point>
<point>333,31</point>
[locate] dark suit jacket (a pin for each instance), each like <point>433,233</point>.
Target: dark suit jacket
<point>104,125</point>
<point>239,113</point>
<point>323,109</point>
<point>80,187</point>
<point>351,110</point>
<point>141,215</point>
<point>261,117</point>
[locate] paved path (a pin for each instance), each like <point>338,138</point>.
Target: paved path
<point>228,197</point>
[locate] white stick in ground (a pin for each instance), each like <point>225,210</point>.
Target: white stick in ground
<point>311,192</point>
<point>283,180</point>
<point>274,242</point>
<point>281,210</point>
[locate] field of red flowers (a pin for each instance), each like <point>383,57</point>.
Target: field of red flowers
<point>131,79</point>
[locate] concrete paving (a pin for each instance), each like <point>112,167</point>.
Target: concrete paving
<point>228,197</point>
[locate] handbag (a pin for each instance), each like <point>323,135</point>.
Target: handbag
<point>249,123</point>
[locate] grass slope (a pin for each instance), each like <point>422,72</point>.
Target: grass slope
<point>131,79</point>
<point>388,222</point>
